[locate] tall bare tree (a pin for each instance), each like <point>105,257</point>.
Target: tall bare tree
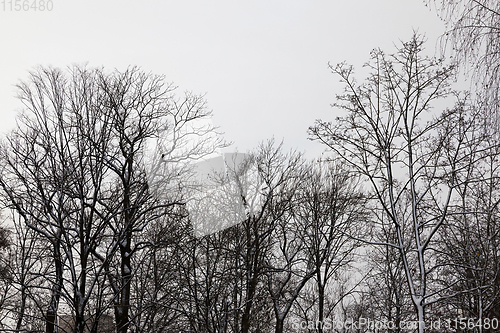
<point>75,173</point>
<point>141,107</point>
<point>330,207</point>
<point>404,153</point>
<point>53,178</point>
<point>470,240</point>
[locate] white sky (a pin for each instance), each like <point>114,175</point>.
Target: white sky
<point>263,64</point>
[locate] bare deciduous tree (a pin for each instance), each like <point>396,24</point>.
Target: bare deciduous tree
<point>141,107</point>
<point>330,207</point>
<point>470,239</point>
<point>75,173</point>
<point>403,152</point>
<point>53,178</point>
<point>473,35</point>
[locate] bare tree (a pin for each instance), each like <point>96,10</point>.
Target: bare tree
<point>470,240</point>
<point>237,278</point>
<point>330,207</point>
<point>53,178</point>
<point>250,240</point>
<point>75,173</point>
<point>404,153</point>
<point>27,183</point>
<point>287,261</point>
<point>227,278</point>
<point>473,35</point>
<point>141,108</point>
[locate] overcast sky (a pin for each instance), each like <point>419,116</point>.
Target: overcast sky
<point>263,64</point>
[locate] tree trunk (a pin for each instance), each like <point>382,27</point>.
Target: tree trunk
<point>321,305</point>
<point>252,280</point>
<point>245,320</point>
<point>280,321</point>
<point>79,322</point>
<point>51,317</point>
<point>123,306</point>
<point>79,297</point>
